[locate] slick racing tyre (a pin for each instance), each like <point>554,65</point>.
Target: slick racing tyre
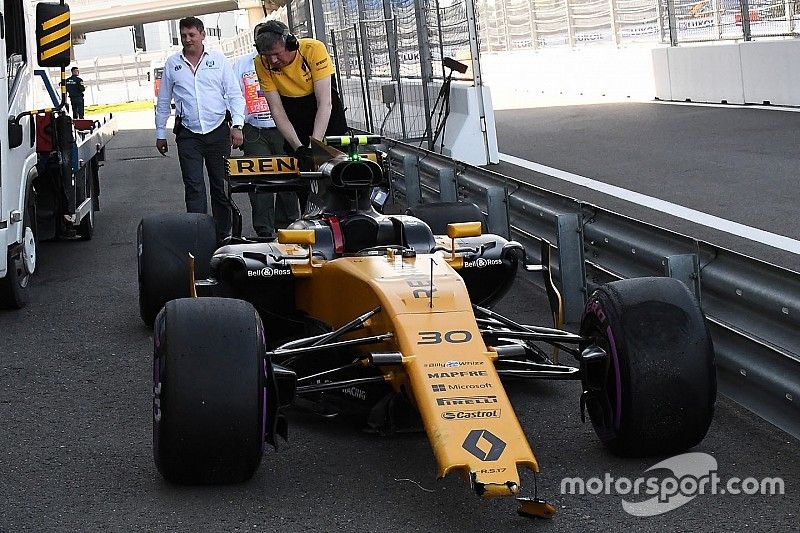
<point>209,391</point>
<point>438,215</point>
<point>654,392</point>
<point>164,244</point>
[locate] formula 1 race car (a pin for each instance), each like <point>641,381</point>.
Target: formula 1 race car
<point>387,318</point>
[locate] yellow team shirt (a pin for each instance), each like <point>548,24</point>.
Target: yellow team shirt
<point>297,78</point>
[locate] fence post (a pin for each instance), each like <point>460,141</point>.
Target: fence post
<point>426,69</point>
<point>745,6</point>
<point>612,9</point>
<point>673,24</point>
<point>570,24</point>
<point>125,79</point>
<point>685,268</point>
<point>571,267</point>
<point>497,210</point>
<point>319,22</point>
<point>447,185</point>
<point>411,178</point>
<point>532,23</point>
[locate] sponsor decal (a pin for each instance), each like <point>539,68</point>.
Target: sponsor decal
<point>355,392</point>
<point>454,364</point>
<point>268,272</point>
<point>242,166</point>
<point>481,263</point>
<point>466,400</point>
<point>439,388</point>
<point>471,386</point>
<point>471,414</point>
<point>484,445</point>
<point>459,374</point>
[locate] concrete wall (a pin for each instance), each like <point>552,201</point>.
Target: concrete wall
<point>583,75</point>
<point>735,73</point>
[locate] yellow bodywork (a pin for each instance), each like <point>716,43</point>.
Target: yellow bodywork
<point>446,368</point>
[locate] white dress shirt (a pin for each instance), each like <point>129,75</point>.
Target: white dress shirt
<point>256,108</point>
<point>202,96</point>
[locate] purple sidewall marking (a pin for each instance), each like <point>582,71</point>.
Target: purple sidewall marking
<point>264,410</point>
<point>614,357</point>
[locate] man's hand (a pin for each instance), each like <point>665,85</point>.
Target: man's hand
<point>305,158</point>
<point>236,137</point>
<point>161,146</point>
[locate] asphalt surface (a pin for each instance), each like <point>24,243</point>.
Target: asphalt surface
<point>739,163</point>
<point>75,422</point>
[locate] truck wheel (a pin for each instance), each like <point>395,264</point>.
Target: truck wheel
<point>438,215</point>
<point>210,393</point>
<point>21,262</point>
<point>164,244</point>
<point>86,228</point>
<point>654,393</point>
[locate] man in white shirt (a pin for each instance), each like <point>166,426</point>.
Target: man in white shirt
<point>206,93</point>
<point>262,139</point>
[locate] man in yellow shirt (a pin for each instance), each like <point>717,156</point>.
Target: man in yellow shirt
<point>296,76</point>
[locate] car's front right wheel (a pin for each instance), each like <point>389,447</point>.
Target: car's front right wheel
<point>654,392</point>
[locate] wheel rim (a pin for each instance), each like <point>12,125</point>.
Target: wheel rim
<point>29,252</point>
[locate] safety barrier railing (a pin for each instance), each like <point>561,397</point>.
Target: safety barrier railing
<point>752,307</point>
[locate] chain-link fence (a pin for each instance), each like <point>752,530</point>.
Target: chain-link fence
<point>388,56</point>
<point>532,24</point>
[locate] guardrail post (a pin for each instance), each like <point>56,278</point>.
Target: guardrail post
<point>496,207</point>
<point>686,268</point>
<point>411,178</point>
<point>571,267</point>
<point>447,185</point>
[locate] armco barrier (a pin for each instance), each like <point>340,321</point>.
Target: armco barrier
<point>752,307</point>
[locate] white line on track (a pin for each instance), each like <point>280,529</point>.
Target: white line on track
<point>730,106</point>
<point>698,217</point>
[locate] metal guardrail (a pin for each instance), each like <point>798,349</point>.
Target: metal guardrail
<point>752,307</point>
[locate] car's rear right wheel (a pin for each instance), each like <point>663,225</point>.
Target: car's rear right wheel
<point>164,244</point>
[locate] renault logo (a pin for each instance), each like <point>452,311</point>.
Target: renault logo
<point>484,445</point>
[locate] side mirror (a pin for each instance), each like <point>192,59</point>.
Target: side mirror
<point>14,134</point>
<point>53,35</point>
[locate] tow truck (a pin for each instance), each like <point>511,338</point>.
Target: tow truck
<point>49,164</point>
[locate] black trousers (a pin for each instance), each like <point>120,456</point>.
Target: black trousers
<point>212,148</point>
<point>77,107</point>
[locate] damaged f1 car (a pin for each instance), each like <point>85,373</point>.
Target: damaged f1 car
<point>388,317</point>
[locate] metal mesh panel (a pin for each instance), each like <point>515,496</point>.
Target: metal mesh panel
<point>551,19</point>
<point>638,21</point>
<point>521,24</point>
<point>592,21</point>
<point>299,15</point>
<point>772,17</point>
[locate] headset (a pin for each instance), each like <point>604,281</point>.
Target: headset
<point>290,40</point>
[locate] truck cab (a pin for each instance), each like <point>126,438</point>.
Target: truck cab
<point>48,168</point>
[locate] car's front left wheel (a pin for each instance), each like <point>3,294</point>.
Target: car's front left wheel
<point>210,401</point>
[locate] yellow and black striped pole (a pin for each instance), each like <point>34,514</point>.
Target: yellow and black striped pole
<point>54,39</point>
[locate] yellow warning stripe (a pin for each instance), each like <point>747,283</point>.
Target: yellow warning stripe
<point>55,21</point>
<point>50,37</point>
<point>46,54</point>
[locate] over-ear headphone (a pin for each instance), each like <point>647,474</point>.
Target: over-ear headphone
<point>289,39</point>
